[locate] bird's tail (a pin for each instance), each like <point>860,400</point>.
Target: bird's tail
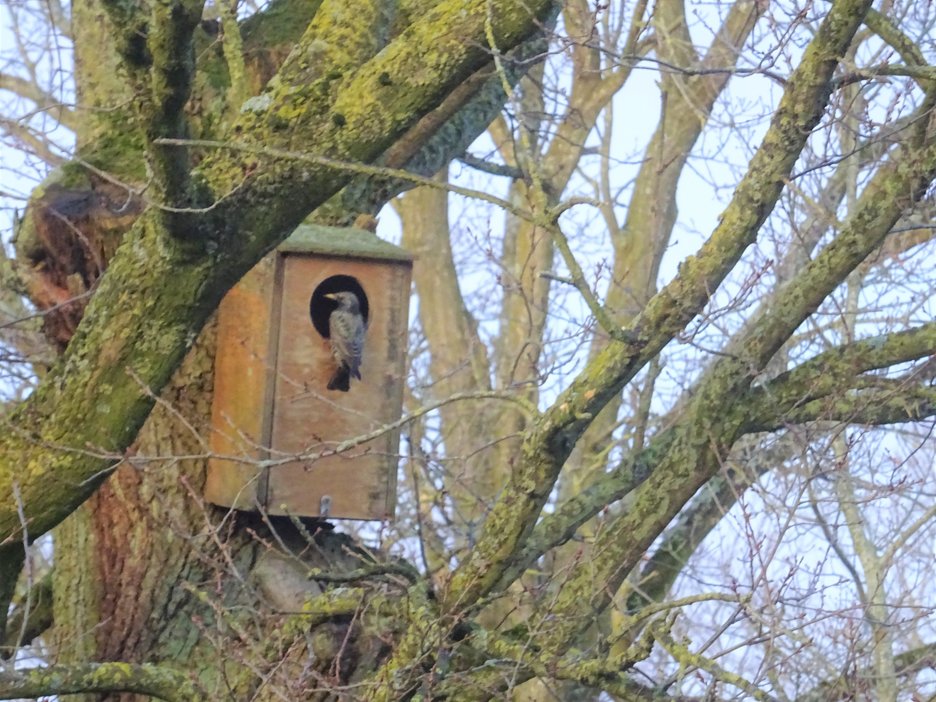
<point>341,380</point>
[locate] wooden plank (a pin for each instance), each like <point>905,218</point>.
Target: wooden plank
<point>241,400</point>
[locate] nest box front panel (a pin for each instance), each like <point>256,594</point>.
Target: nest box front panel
<point>309,419</point>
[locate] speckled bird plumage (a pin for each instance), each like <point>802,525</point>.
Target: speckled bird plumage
<point>346,334</point>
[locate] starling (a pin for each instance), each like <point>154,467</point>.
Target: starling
<point>346,333</point>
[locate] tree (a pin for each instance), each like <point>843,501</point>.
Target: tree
<point>561,490</point>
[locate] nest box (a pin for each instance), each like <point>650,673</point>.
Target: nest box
<point>275,425</point>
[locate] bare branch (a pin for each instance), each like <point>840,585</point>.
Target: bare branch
<point>32,92</point>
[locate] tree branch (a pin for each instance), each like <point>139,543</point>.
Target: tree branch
<point>44,101</point>
<point>153,680</point>
<point>11,563</point>
<point>24,625</point>
<point>865,407</point>
<point>835,371</point>
<point>451,129</point>
<point>157,51</point>
<point>170,43</point>
<point>490,168</point>
<point>908,49</point>
<point>34,141</point>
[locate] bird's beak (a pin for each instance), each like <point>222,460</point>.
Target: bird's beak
<point>330,296</point>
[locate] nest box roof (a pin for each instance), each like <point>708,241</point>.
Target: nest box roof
<point>342,241</point>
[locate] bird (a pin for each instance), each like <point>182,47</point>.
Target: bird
<point>346,335</point>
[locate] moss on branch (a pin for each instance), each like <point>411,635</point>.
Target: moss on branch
<point>834,372</point>
<point>156,681</point>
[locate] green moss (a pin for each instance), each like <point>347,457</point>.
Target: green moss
<point>282,22</point>
<point>118,151</point>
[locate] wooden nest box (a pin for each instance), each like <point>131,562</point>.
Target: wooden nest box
<point>275,425</point>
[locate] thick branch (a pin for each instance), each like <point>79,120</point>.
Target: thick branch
<point>672,30</point>
<point>749,460</point>
<point>885,28</point>
<point>153,680</point>
<point>893,189</point>
<point>172,50</point>
<point>450,129</point>
<point>11,563</point>
<point>561,525</point>
<point>771,407</point>
<point>835,371</point>
<point>871,407</point>
<point>157,51</point>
